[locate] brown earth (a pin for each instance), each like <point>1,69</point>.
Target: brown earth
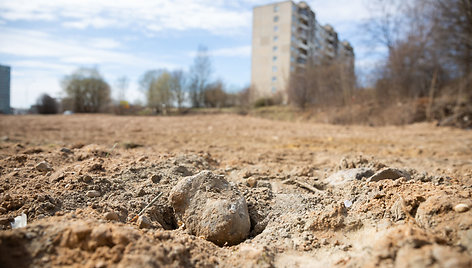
<point>100,171</point>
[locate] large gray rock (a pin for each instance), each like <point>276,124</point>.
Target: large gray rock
<point>211,207</point>
<point>344,176</point>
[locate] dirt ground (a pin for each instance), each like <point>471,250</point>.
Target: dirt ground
<point>81,179</point>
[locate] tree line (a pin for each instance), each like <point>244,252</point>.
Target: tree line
<point>429,62</point>
<point>86,91</point>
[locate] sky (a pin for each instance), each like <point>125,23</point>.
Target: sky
<point>44,40</point>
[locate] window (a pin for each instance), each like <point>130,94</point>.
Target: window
<point>292,59</point>
<point>276,8</point>
<point>274,69</point>
<point>292,69</point>
<point>274,58</point>
<point>276,38</point>
<point>276,18</point>
<point>274,89</point>
<point>274,78</point>
<point>276,28</point>
<point>275,48</point>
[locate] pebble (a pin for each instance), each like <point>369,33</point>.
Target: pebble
<point>112,216</point>
<point>43,167</point>
<point>66,150</point>
<point>144,222</point>
<point>156,178</point>
<point>87,178</point>
<point>251,182</point>
<point>93,193</point>
<point>460,208</point>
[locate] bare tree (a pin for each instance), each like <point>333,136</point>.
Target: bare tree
<point>122,84</point>
<point>87,91</point>
<point>384,26</point>
<point>215,95</point>
<point>200,73</point>
<point>159,93</point>
<point>178,87</point>
<point>47,105</point>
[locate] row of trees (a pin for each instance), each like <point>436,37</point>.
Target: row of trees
<point>429,53</point>
<point>429,45</point>
<point>86,91</point>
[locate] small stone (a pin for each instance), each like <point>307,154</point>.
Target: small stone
<point>66,150</point>
<point>156,178</point>
<point>460,208</point>
<point>390,174</point>
<point>87,178</point>
<point>251,182</point>
<point>93,193</point>
<point>141,192</point>
<point>112,216</point>
<point>144,222</point>
<point>43,167</point>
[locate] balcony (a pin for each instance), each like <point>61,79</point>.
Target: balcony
<point>303,26</point>
<point>301,61</point>
<point>303,45</point>
<point>304,17</point>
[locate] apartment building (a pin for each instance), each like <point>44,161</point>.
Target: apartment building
<point>286,37</point>
<point>5,90</point>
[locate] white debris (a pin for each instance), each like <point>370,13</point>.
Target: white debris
<point>347,203</point>
<point>19,222</point>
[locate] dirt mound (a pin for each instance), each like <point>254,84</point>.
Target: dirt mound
<point>316,195</point>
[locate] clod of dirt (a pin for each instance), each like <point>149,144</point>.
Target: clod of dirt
<point>93,193</point>
<point>156,178</point>
<point>43,167</point>
<point>144,222</point>
<point>390,174</point>
<point>460,208</point>
<point>211,207</point>
<point>112,216</point>
<point>344,176</point>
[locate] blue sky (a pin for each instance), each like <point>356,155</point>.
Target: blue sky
<point>44,40</point>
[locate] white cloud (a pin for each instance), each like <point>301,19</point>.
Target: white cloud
<point>153,15</point>
<point>105,43</point>
<point>35,64</point>
<point>26,43</point>
<point>242,51</point>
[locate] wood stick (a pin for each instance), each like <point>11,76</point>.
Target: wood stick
<point>146,207</point>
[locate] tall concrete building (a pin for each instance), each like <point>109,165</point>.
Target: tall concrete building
<point>5,90</point>
<point>286,37</point>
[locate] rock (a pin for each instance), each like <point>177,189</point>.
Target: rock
<point>66,150</point>
<point>43,166</point>
<point>87,178</point>
<point>156,178</point>
<point>211,207</point>
<point>251,182</point>
<point>344,176</point>
<point>389,174</point>
<point>460,208</point>
<point>93,193</point>
<point>141,192</point>
<point>112,216</point>
<point>144,222</point>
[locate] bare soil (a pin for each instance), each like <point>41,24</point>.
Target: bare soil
<point>100,171</point>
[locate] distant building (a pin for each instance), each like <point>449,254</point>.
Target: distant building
<point>5,90</point>
<point>286,36</point>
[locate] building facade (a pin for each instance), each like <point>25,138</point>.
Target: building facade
<point>286,38</point>
<point>5,90</point>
